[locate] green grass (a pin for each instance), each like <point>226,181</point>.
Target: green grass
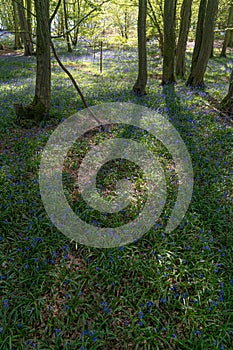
<point>165,291</point>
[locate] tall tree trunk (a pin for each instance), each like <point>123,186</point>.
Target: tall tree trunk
<point>199,32</point>
<point>226,104</point>
<point>212,49</point>
<point>126,25</point>
<point>17,43</point>
<point>42,97</point>
<point>203,43</point>
<point>186,12</point>
<point>228,34</point>
<point>230,44</point>
<point>61,25</point>
<point>29,17</point>
<point>40,106</point>
<point>169,42</point>
<point>140,84</point>
<point>25,35</point>
<point>69,48</point>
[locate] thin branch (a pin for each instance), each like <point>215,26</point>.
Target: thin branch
<point>79,21</point>
<point>214,106</point>
<point>55,12</point>
<point>18,3</point>
<point>74,83</point>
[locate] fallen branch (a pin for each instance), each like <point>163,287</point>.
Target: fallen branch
<point>226,116</point>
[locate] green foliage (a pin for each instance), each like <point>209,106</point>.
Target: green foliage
<point>171,291</point>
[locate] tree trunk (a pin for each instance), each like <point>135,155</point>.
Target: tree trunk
<point>29,17</point>
<point>140,84</point>
<point>228,34</point>
<point>169,42</point>
<point>199,32</point>
<point>69,48</point>
<point>227,103</point>
<point>25,35</point>
<point>43,73</point>
<point>212,49</point>
<point>17,43</point>
<point>61,26</point>
<point>186,12</point>
<point>126,25</point>
<point>230,44</point>
<point>40,106</point>
<point>204,42</point>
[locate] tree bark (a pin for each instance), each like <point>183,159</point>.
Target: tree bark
<point>169,42</point>
<point>204,42</point>
<point>226,104</point>
<point>29,17</point>
<point>228,34</point>
<point>40,106</point>
<point>186,12</point>
<point>140,84</point>
<point>25,35</point>
<point>17,41</point>
<point>69,48</point>
<point>43,73</point>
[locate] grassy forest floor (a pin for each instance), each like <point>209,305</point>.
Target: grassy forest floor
<point>165,291</point>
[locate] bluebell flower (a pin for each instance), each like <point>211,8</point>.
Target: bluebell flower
<point>57,332</point>
<point>6,303</point>
<point>141,315</point>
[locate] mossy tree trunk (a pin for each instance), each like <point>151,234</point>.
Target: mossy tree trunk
<point>186,12</point>
<point>203,43</point>
<point>140,84</point>
<point>169,42</point>
<point>228,35</point>
<point>25,35</point>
